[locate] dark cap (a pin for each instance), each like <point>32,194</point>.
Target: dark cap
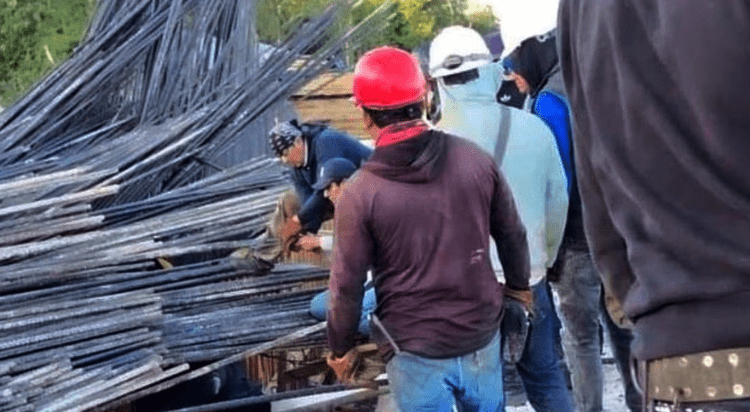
<point>283,136</point>
<point>334,169</point>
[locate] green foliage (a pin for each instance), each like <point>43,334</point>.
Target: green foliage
<point>483,21</point>
<point>415,21</point>
<point>35,35</point>
<point>418,21</point>
<point>278,18</point>
<point>449,13</point>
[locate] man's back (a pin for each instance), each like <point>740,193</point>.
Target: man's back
<point>662,146</point>
<point>425,213</point>
<point>534,171</point>
<point>524,147</point>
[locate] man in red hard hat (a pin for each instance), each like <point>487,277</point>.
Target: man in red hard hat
<point>420,214</point>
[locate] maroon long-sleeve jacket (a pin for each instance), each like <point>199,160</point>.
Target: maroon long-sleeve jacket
<point>420,213</point>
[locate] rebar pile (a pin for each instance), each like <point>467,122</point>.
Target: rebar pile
<point>84,288</point>
<point>162,90</point>
<point>88,339</point>
<point>214,321</point>
<point>72,355</point>
<point>147,144</point>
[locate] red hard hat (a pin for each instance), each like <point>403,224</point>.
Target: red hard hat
<point>388,78</point>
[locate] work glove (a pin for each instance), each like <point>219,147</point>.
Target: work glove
<point>289,235</point>
<point>615,311</point>
<point>515,323</point>
<point>291,245</point>
<point>292,227</point>
<point>356,368</point>
<point>248,260</point>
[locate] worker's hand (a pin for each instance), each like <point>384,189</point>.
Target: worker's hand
<point>355,370</point>
<point>523,296</point>
<point>616,312</point>
<point>515,323</point>
<point>290,246</point>
<point>309,242</point>
<point>292,227</point>
<point>344,366</point>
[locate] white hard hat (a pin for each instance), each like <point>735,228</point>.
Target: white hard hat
<point>457,49</point>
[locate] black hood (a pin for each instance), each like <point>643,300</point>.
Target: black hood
<point>535,60</point>
<point>417,160</point>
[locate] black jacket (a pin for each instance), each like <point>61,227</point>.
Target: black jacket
<point>660,95</point>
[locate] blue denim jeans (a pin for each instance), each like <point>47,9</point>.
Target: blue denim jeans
<point>581,309</point>
<point>320,303</point>
<point>469,383</point>
<point>539,366</point>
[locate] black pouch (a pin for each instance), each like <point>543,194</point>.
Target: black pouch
<point>514,329</point>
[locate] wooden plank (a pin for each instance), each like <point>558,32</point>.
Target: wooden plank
<point>327,84</point>
<point>340,113</point>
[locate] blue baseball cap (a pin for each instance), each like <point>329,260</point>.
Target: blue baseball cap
<point>334,169</point>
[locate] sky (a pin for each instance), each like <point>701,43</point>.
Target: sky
<point>520,19</point>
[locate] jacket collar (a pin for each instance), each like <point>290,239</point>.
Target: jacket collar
<point>307,142</point>
<point>307,153</point>
<point>401,131</point>
<point>416,160</point>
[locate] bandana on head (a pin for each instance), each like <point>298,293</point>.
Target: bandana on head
<point>283,136</point>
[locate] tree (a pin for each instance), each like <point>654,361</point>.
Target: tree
<point>483,21</point>
<point>35,35</point>
<point>450,13</point>
<point>414,21</point>
<point>419,21</point>
<point>277,19</point>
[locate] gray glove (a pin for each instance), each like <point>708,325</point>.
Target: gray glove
<point>514,329</point>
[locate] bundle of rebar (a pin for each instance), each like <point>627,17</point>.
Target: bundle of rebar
<point>147,146</point>
<point>87,332</point>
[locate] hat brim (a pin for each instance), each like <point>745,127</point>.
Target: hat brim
<point>323,184</point>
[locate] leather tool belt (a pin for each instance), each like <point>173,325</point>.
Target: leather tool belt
<point>700,377</point>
